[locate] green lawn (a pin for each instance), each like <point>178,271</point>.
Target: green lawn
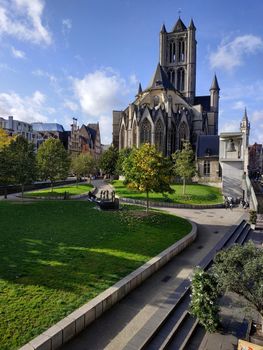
<point>57,255</point>
<point>195,194</point>
<point>60,191</point>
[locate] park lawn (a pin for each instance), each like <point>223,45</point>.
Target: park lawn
<point>195,194</point>
<point>71,190</point>
<point>57,255</point>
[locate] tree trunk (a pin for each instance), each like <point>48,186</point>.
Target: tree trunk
<point>183,185</point>
<point>5,192</point>
<point>147,201</point>
<point>52,186</point>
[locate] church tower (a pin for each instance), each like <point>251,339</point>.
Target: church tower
<point>245,128</point>
<point>178,57</point>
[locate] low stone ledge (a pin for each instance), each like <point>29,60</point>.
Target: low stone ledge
<point>79,319</point>
<point>171,205</point>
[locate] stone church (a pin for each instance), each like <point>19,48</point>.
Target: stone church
<point>168,112</point>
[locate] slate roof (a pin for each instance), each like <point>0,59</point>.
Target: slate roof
<point>207,145</point>
<point>215,85</point>
<point>179,26</point>
<point>47,127</point>
<point>160,79</point>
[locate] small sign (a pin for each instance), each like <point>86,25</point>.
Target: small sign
<point>245,345</point>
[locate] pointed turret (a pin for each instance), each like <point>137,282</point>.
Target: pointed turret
<point>179,26</point>
<point>139,90</point>
<point>163,29</point>
<point>160,79</point>
<point>191,25</point>
<point>215,85</point>
<point>245,118</point>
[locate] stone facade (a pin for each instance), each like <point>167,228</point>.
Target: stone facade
<point>233,158</point>
<point>168,112</point>
<point>255,159</point>
<point>207,158</point>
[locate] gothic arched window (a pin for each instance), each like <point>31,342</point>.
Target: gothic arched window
<point>180,79</point>
<point>183,134</point>
<point>173,139</point>
<point>172,57</point>
<point>146,132</point>
<point>171,76</point>
<point>122,141</point>
<point>181,51</point>
<point>159,133</point>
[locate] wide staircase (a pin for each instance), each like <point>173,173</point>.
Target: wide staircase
<point>178,329</point>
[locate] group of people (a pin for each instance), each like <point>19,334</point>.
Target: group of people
<point>230,202</point>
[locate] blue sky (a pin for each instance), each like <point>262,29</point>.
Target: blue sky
<point>80,58</point>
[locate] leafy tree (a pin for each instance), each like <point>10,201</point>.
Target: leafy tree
<point>184,163</point>
<point>123,155</point>
<point>5,139</point>
<point>204,299</point>
<point>148,171</point>
<point>6,162</point>
<point>108,161</point>
<point>239,269</point>
<point>52,161</point>
<point>23,161</point>
<point>83,165</point>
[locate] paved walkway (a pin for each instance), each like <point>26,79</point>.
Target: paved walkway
<point>119,327</point>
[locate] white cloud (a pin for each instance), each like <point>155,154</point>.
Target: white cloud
<point>66,25</point>
<point>105,129</point>
<point>17,53</point>
<point>257,116</point>
<point>22,19</point>
<point>230,55</point>
<point>25,108</point>
<point>40,73</point>
<point>71,105</point>
<point>100,92</point>
<point>229,126</point>
<point>239,105</point>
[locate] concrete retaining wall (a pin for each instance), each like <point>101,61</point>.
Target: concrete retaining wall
<point>74,323</point>
<point>170,204</point>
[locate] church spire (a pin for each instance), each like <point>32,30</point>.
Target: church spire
<point>163,29</point>
<point>215,85</point>
<point>192,26</point>
<point>139,89</point>
<point>245,118</point>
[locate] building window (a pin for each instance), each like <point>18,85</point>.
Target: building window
<point>183,135</point>
<point>172,52</point>
<point>173,139</point>
<point>207,168</point>
<point>180,79</point>
<point>159,136</point>
<point>181,51</point>
<point>146,132</point>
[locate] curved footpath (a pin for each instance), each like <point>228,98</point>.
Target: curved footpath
<point>120,326</point>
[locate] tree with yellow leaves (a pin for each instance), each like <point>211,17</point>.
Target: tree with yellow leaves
<point>147,170</point>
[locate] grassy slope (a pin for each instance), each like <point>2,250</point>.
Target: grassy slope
<point>195,194</point>
<point>57,255</point>
<point>57,191</point>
